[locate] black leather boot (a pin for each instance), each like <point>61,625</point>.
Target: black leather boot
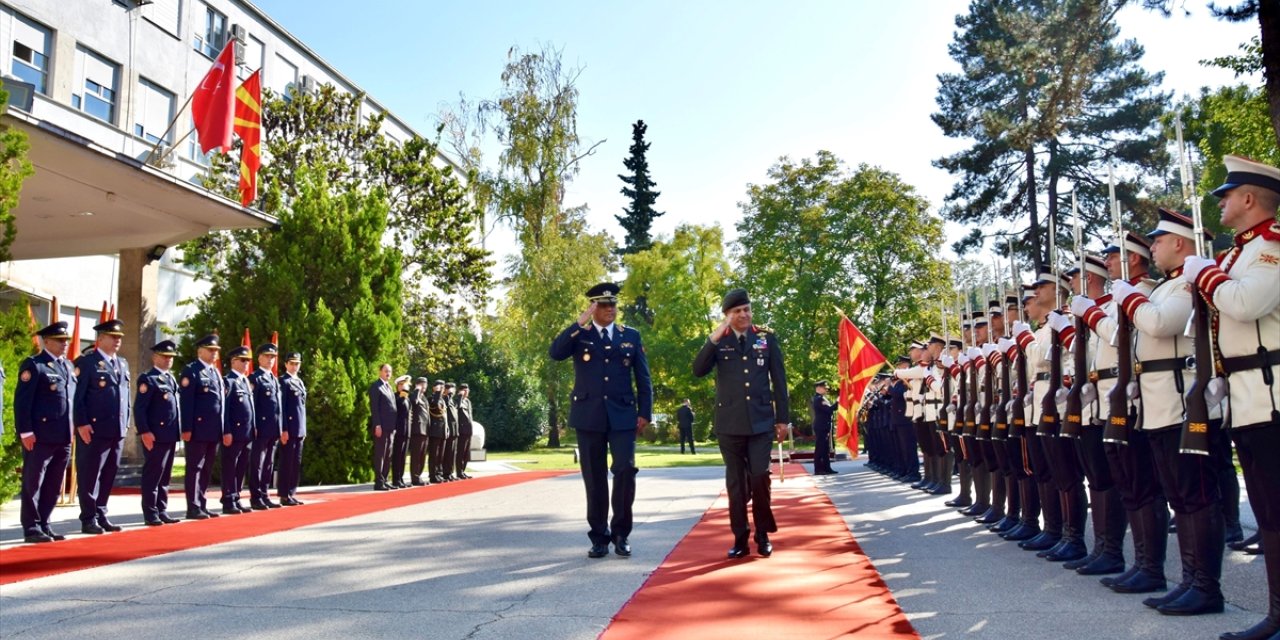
<point>1270,625</point>
<point>1139,551</point>
<point>1110,511</point>
<point>1098,509</point>
<point>996,512</point>
<point>1188,561</point>
<point>1154,527</point>
<point>965,498</point>
<point>1029,524</point>
<point>1074,515</point>
<point>1051,508</point>
<point>1205,594</point>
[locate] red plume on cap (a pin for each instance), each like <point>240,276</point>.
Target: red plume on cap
<point>103,317</point>
<point>73,349</point>
<point>113,313</point>
<point>53,310</point>
<point>31,317</point>
<point>275,339</point>
<point>246,342</point>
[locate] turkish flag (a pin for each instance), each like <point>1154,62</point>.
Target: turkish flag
<point>213,102</point>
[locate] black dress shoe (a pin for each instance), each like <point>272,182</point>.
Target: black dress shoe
<point>209,514</point>
<point>764,548</point>
<point>622,547</point>
<point>196,515</point>
<point>738,552</point>
<point>1173,594</point>
<point>230,510</point>
<point>38,536</point>
<point>381,487</point>
<point>168,519</point>
<point>257,505</point>
<point>1240,546</point>
<point>152,523</point>
<point>1264,630</point>
<point>49,532</point>
<point>417,483</point>
<point>108,526</point>
<point>1193,603</point>
<point>959,503</point>
<point>92,529</point>
<point>1141,582</point>
<point>270,504</point>
<point>598,551</point>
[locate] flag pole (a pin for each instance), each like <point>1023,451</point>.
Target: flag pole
<point>169,128</point>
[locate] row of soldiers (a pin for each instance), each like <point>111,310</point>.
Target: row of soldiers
<point>999,404</point>
<point>241,418</point>
<point>433,429</point>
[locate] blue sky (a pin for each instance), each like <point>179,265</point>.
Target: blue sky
<point>725,87</point>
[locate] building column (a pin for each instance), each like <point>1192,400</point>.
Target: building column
<point>139,292</point>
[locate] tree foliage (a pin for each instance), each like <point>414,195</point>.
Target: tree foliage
<point>14,169</point>
<point>509,403</point>
<point>15,346</point>
<point>638,216</point>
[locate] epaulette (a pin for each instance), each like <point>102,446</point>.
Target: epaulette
<point>759,328</point>
<point>621,327</point>
<point>1272,232</point>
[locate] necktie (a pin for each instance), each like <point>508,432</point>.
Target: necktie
<point>742,342</point>
<point>604,334</point>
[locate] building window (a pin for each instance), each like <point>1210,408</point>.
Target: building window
<point>214,36</point>
<point>31,45</point>
<point>155,109</point>
<point>282,77</point>
<point>98,83</point>
<point>193,147</point>
<point>253,53</point>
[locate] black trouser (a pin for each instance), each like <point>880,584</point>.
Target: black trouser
<point>262,466</point>
<point>1133,471</point>
<point>594,450</point>
<point>686,435</point>
<point>157,470</point>
<point>1093,458</point>
<point>235,464</point>
<point>382,457</point>
<point>463,455</point>
<point>199,457</point>
<point>450,452</point>
<point>746,479</point>
<point>399,452</point>
<point>96,465</point>
<point>1257,447</point>
<point>1038,448</point>
<point>417,456</point>
<point>907,461</point>
<point>1064,462</point>
<point>290,467</point>
<point>43,468</point>
<point>822,451</point>
<point>1190,481</point>
<point>435,457</point>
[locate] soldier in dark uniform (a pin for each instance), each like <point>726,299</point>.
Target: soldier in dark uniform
<point>821,411</point>
<point>450,434</point>
<point>400,441</point>
<point>684,421</point>
<point>294,431</point>
<point>42,417</point>
<point>436,429</point>
<point>612,402</point>
<point>419,419</point>
<point>202,399</point>
<point>101,413</point>
<point>908,467</point>
<point>465,431</point>
<point>238,435</point>
<point>382,421</point>
<point>155,414</point>
<point>752,408</point>
<point>268,414</point>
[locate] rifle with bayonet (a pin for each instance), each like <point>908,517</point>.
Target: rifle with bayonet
<point>1117,428</point>
<point>1073,423</point>
<point>1195,429</point>
<point>1049,403</point>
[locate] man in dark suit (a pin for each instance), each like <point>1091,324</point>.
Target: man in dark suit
<point>419,418</point>
<point>821,410</point>
<point>382,422</point>
<point>294,430</point>
<point>684,418</point>
<point>101,413</point>
<point>751,409</point>
<point>437,428</point>
<point>155,414</point>
<point>42,417</point>
<point>400,439</point>
<point>202,399</point>
<point>612,402</point>
<point>238,428</point>
<point>268,420</point>
<point>463,455</point>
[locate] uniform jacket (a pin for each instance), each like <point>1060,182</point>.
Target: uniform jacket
<point>294,408</point>
<point>382,407</point>
<point>268,404</point>
<point>1104,327</point>
<point>898,404</point>
<point>42,399</point>
<point>684,418</point>
<point>419,415</point>
<point>156,409</point>
<point>751,383</point>
<point>402,414</point>
<point>102,395</point>
<point>611,385</point>
<point>1159,325</point>
<point>436,428</point>
<point>821,409</point>
<point>239,420</point>
<point>464,417</point>
<point>202,398</point>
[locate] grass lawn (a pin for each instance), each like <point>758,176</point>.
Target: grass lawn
<point>647,457</point>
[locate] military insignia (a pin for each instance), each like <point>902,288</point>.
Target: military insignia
<point>102,366</point>
<point>102,382</point>
<point>142,388</point>
<point>25,377</point>
<point>626,345</point>
<point>586,357</point>
<point>626,362</point>
<point>166,396</point>
<point>185,381</point>
<point>759,362</point>
<point>53,387</point>
<point>1269,258</point>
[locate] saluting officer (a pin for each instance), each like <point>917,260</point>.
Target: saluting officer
<point>268,414</point>
<point>42,416</point>
<point>294,430</point>
<point>155,414</point>
<point>237,434</point>
<point>465,431</point>
<point>1241,287</point>
<point>400,438</point>
<point>436,431</point>
<point>419,420</point>
<point>101,412</point>
<point>451,432</point>
<point>202,400</point>
<point>612,402</point>
<point>752,408</point>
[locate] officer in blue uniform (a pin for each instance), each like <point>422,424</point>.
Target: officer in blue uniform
<point>268,415</point>
<point>42,416</point>
<point>201,396</point>
<point>752,407</point>
<point>900,425</point>
<point>155,414</point>
<point>612,401</point>
<point>237,433</point>
<point>294,429</point>
<point>101,413</point>
<point>822,410</point>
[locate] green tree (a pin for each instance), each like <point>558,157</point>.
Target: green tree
<point>817,239</point>
<point>508,402</point>
<point>15,346</point>
<point>638,216</point>
<point>682,279</point>
<point>14,169</point>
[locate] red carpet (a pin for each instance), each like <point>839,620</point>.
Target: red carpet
<point>817,585</point>
<point>39,560</point>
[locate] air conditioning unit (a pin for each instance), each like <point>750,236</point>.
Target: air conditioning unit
<point>308,85</point>
<point>238,33</point>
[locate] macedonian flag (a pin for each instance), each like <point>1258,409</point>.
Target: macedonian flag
<point>248,126</point>
<point>859,363</point>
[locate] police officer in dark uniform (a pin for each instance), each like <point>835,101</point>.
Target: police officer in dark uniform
<point>155,414</point>
<point>294,430</point>
<point>42,416</point>
<point>382,421</point>
<point>612,402</point>
<point>684,420</point>
<point>436,431</point>
<point>448,459</point>
<point>821,410</point>
<point>202,399</point>
<point>101,412</point>
<point>908,466</point>
<point>268,418</point>
<point>752,408</point>
<point>465,431</point>
<point>238,434</point>
<point>419,420</point>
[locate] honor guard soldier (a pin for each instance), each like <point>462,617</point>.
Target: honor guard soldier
<point>1241,288</point>
<point>42,417</point>
<point>980,443</point>
<point>156,416</point>
<point>101,413</point>
<point>821,410</point>
<point>201,395</point>
<point>382,422</point>
<point>612,401</point>
<point>1007,451</point>
<point>268,414</point>
<point>465,431</point>
<point>437,428</point>
<point>238,429</point>
<point>952,365</point>
<point>419,419</point>
<point>451,432</point>
<point>294,430</point>
<point>752,408</point>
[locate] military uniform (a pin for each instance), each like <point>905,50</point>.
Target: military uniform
<point>294,411</point>
<point>42,410</point>
<point>684,422</point>
<point>904,434</point>
<point>201,395</point>
<point>101,403</point>
<point>437,429</point>
<point>419,419</point>
<point>463,455</point>
<point>400,442</point>
<point>1035,346</point>
<point>156,412</point>
<point>238,437</point>
<point>821,410</point>
<point>450,434</point>
<point>268,416</point>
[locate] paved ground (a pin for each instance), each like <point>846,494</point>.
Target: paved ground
<point>511,563</point>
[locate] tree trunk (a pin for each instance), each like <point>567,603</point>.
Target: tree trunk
<point>553,422</point>
<point>1269,20</point>
<point>1033,212</point>
<point>1051,194</point>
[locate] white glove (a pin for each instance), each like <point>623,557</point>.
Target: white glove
<point>1134,390</point>
<point>1121,290</point>
<point>947,360</point>
<point>951,409</point>
<point>1081,305</point>
<point>1020,327</point>
<point>1192,266</point>
<point>1058,321</point>
<point>1006,344</point>
<point>1215,391</point>
<point>988,349</point>
<point>1088,393</point>
<point>974,353</point>
<point>1026,401</point>
<point>964,359</point>
<point>1011,408</point>
<point>1061,396</point>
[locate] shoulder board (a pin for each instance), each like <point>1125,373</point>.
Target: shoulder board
<point>1272,232</point>
<point>621,326</point>
<point>761,328</point>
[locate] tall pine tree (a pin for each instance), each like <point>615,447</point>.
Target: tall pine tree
<point>638,217</point>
